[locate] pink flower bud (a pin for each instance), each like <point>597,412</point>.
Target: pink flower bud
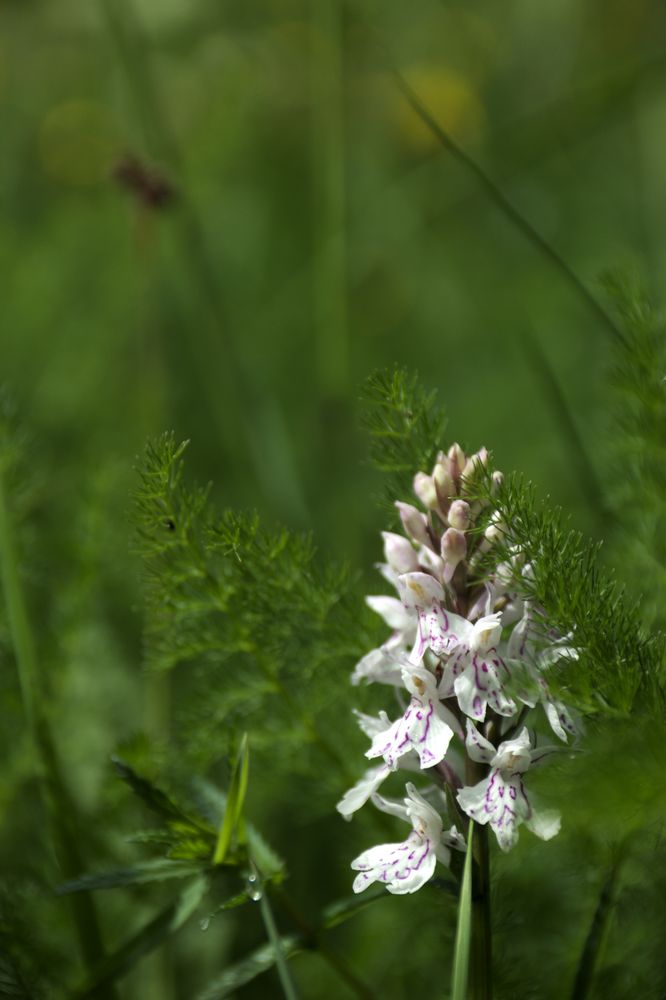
<point>399,553</point>
<point>473,465</point>
<point>498,479</point>
<point>444,484</point>
<point>424,488</point>
<point>456,458</point>
<point>454,549</point>
<point>414,523</point>
<point>460,515</point>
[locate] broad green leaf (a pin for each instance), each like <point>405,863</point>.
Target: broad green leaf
<point>150,871</point>
<point>463,928</point>
<point>146,939</point>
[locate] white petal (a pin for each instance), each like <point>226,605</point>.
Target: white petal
<point>514,756</point>
<point>478,747</point>
<point>560,720</point>
<point>472,800</point>
<point>391,807</point>
<point>402,868</point>
<point>431,561</point>
<point>486,633</point>
<point>392,611</point>
<point>371,724</point>
<point>545,823</point>
<point>517,645</point>
<point>471,700</point>
<point>419,590</point>
<point>422,728</point>
<point>425,819</point>
<point>382,666</point>
<point>362,790</point>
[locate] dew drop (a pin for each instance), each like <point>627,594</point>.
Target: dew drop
<point>204,924</point>
<point>253,888</point>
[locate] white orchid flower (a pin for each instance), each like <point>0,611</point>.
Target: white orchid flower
<point>501,799</point>
<point>405,867</point>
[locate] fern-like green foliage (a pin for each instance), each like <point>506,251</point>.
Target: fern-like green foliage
<point>267,629</point>
<point>620,661</point>
<point>637,460</point>
<point>406,428</point>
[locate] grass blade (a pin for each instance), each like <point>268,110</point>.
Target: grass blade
<point>235,802</point>
<point>464,928</point>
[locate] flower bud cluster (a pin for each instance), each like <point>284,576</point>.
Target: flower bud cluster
<point>464,653</point>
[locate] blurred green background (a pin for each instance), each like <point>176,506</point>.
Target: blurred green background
<point>219,218</point>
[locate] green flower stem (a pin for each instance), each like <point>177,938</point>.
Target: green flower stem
<point>480,966</point>
<point>59,806</point>
<point>288,986</point>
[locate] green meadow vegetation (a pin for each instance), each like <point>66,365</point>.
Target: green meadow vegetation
<point>261,262</point>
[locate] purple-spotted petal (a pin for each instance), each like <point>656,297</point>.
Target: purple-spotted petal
<point>402,868</point>
<point>422,728</point>
<point>479,684</point>
<point>500,802</point>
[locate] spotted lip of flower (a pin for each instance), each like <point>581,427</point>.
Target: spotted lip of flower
<point>426,727</point>
<point>404,867</point>
<point>500,799</point>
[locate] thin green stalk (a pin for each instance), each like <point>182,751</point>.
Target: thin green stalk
<point>577,453</point>
<point>59,806</point>
<point>328,175</point>
<point>288,986</point>
<point>500,200</point>
<point>480,965</point>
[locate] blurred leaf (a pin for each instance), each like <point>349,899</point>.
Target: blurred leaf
<point>344,909</point>
<point>150,871</point>
<point>237,975</point>
<point>155,798</point>
<point>147,939</point>
<point>598,934</point>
